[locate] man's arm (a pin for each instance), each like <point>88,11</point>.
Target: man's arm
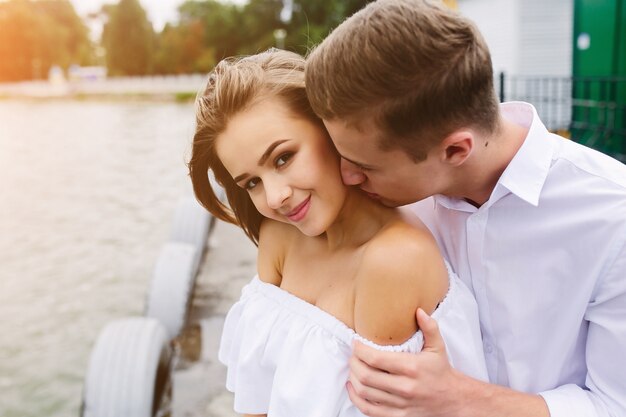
<point>387,384</point>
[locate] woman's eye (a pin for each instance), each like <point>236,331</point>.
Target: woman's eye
<point>283,159</point>
<point>251,183</point>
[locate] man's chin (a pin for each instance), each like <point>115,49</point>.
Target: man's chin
<point>389,203</point>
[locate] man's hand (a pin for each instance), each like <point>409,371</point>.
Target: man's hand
<point>387,384</point>
<point>391,384</point>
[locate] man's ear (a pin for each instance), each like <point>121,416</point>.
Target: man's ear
<point>457,147</point>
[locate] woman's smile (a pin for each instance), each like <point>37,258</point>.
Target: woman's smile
<point>300,211</point>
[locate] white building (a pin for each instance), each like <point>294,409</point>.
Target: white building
<point>526,37</point>
<point>531,42</point>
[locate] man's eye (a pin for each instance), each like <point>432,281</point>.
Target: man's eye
<point>283,159</point>
<point>355,165</point>
<point>251,183</point>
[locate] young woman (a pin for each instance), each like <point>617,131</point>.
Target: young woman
<point>334,265</point>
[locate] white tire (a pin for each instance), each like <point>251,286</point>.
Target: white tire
<point>171,288</point>
<point>191,225</point>
<point>128,370</point>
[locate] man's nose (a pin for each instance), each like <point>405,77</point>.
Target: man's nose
<point>277,194</point>
<point>351,174</point>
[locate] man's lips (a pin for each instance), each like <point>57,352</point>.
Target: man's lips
<point>372,195</point>
<point>299,211</point>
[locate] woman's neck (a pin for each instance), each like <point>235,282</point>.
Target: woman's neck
<point>358,221</point>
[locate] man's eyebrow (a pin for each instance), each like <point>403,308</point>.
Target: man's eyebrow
<point>263,158</point>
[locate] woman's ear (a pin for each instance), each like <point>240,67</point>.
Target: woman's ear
<point>457,147</point>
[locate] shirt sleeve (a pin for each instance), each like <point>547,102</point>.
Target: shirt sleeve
<point>604,393</point>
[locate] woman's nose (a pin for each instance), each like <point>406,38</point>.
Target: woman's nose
<point>277,194</point>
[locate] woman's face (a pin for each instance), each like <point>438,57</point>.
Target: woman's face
<point>286,163</point>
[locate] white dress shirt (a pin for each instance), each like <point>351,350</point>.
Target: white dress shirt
<point>545,257</point>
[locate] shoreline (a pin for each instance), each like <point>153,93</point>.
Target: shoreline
<point>148,88</point>
<point>179,97</point>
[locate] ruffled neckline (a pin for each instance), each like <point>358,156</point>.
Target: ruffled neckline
<point>332,324</point>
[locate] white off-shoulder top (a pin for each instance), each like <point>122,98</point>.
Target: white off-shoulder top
<point>289,358</point>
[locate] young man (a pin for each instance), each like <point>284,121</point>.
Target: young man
<point>534,224</point>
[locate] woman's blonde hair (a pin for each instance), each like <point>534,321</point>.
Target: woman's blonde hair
<point>234,85</point>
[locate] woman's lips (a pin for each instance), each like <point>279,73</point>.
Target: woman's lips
<point>300,211</point>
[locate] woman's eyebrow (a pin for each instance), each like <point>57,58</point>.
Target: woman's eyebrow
<point>263,158</point>
<point>269,151</point>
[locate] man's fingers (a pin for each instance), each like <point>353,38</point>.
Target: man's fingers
<point>390,362</point>
<point>369,408</point>
<point>433,342</point>
<point>364,376</point>
<point>375,395</point>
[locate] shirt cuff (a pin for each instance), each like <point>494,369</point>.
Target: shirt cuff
<point>570,401</point>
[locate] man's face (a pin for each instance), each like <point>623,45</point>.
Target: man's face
<point>389,176</point>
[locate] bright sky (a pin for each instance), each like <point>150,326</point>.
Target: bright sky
<point>159,11</point>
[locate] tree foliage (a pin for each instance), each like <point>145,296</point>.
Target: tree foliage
<point>129,39</point>
<point>35,35</point>
<point>219,29</point>
<point>181,50</point>
<point>312,20</point>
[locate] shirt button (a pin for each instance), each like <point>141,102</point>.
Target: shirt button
<point>488,348</point>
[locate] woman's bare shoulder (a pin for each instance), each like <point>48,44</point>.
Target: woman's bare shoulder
<point>402,270</point>
<point>274,240</point>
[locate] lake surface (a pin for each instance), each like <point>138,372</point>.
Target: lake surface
<point>87,195</point>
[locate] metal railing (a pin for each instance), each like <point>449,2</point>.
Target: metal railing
<point>591,110</point>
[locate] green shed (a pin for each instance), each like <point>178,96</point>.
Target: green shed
<point>599,76</point>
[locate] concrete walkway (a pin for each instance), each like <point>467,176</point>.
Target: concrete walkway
<point>198,384</point>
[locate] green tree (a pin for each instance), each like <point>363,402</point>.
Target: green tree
<point>34,35</point>
<point>260,19</point>
<point>168,57</point>
<point>181,49</point>
<point>210,30</point>
<point>75,42</point>
<point>312,21</point>
<point>129,39</point>
<point>224,33</point>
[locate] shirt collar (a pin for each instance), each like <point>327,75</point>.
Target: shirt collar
<point>527,172</point>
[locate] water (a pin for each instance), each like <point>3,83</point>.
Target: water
<point>87,194</point>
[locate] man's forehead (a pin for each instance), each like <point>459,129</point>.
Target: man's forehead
<point>358,147</point>
<point>361,132</point>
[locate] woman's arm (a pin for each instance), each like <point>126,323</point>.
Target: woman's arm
<point>402,270</point>
<point>274,238</point>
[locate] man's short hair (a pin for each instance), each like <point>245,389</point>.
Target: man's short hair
<point>418,69</point>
